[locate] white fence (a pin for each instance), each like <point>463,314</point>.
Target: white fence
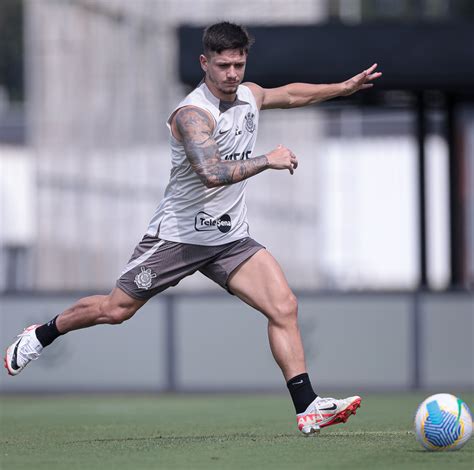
<point>215,343</point>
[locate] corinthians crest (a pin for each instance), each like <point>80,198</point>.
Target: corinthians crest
<point>143,279</point>
<point>249,123</point>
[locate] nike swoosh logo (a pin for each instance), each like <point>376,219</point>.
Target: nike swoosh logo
<point>224,132</point>
<point>333,407</point>
<point>14,364</point>
<point>297,383</point>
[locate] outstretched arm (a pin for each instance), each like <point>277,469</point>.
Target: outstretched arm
<point>195,128</point>
<point>296,95</point>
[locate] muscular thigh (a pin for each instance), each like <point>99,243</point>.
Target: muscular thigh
<point>260,282</point>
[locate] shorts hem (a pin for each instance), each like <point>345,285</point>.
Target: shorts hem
<point>250,254</point>
<point>132,294</point>
<point>195,243</point>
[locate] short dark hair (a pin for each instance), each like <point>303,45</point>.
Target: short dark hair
<point>221,36</point>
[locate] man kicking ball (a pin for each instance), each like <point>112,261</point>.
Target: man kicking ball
<point>201,223</point>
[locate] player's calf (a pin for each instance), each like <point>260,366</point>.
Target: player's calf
<point>89,311</point>
<point>117,315</point>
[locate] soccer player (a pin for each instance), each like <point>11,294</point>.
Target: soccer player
<point>201,223</point>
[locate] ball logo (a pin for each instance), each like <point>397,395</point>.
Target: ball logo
<point>204,222</point>
<point>442,431</point>
<point>143,279</point>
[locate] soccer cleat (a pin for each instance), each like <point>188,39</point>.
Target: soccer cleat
<point>323,412</point>
<point>25,349</point>
<point>307,423</point>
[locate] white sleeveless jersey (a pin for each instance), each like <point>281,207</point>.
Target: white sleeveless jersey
<point>190,212</point>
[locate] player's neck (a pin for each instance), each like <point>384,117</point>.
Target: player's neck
<point>217,93</point>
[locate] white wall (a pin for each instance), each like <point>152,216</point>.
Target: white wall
<point>353,342</point>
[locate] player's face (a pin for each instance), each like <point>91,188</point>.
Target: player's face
<point>224,71</point>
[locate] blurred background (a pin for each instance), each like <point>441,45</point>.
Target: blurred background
<point>375,231</point>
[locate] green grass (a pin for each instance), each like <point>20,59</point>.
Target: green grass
<point>210,432</point>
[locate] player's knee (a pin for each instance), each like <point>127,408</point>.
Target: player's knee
<point>120,314</point>
<point>117,314</point>
<point>287,310</point>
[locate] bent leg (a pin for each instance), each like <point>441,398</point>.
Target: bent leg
<point>113,309</point>
<point>260,282</point>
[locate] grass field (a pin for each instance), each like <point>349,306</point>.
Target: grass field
<point>210,432</point>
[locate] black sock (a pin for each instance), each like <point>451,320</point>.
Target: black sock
<point>48,332</point>
<point>301,392</point>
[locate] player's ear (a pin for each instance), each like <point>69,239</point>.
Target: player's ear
<point>203,61</point>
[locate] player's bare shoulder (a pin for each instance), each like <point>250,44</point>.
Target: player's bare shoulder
<point>191,122</point>
<point>257,91</point>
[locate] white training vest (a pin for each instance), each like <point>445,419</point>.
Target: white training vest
<point>190,212</point>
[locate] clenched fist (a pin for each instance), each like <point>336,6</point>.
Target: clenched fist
<point>282,158</point>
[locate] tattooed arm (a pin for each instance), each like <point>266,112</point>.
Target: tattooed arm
<point>194,127</point>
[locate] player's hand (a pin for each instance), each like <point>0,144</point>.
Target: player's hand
<point>282,158</point>
<point>360,81</point>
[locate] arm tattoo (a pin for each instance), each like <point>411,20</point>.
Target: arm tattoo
<point>201,149</point>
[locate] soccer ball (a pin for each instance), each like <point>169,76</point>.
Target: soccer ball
<point>443,422</point>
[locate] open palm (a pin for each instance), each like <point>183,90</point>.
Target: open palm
<point>361,81</point>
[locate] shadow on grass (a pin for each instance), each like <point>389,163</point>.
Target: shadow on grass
<point>437,452</point>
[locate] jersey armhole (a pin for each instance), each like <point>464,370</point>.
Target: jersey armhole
<point>173,114</point>
<point>253,97</point>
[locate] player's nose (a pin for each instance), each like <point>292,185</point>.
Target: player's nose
<point>231,73</point>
